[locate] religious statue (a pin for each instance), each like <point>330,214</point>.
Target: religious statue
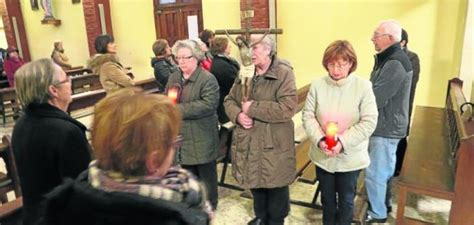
<point>245,51</point>
<point>47,6</point>
<point>247,70</point>
<point>34,4</point>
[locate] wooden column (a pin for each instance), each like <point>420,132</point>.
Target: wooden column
<point>92,16</point>
<point>12,17</point>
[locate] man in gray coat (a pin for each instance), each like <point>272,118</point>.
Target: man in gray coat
<point>391,80</point>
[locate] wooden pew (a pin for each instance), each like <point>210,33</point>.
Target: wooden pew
<point>77,71</point>
<point>8,102</point>
<point>84,83</point>
<point>439,158</point>
<point>9,211</point>
<point>90,98</point>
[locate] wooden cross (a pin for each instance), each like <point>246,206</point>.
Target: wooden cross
<point>244,44</point>
<point>247,30</point>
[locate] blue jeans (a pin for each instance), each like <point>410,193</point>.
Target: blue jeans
<point>382,152</point>
<point>337,195</point>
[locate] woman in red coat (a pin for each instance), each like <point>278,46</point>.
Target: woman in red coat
<point>11,64</point>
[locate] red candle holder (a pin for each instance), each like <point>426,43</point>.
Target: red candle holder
<point>331,135</point>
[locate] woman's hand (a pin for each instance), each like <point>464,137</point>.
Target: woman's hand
<point>336,150</point>
<point>246,106</point>
<point>245,120</point>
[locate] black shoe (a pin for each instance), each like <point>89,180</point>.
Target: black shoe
<point>256,221</point>
<point>369,219</point>
<point>389,209</point>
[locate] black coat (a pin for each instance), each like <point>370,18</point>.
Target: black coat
<point>49,146</point>
<point>162,70</point>
<point>415,63</point>
<point>225,70</point>
<point>77,202</point>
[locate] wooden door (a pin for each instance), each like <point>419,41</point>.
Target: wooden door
<point>171,18</point>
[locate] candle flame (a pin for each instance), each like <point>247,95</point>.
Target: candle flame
<point>331,129</point>
<point>173,94</point>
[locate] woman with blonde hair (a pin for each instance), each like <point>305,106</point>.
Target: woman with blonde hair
<point>132,180</point>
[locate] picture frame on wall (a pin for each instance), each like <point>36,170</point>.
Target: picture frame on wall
<point>76,1</point>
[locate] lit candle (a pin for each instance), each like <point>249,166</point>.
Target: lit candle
<point>173,94</point>
<point>331,135</point>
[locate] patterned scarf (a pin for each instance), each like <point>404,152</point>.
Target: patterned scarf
<point>178,185</point>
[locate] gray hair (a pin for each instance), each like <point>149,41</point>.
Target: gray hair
<point>393,28</point>
<point>268,41</point>
<point>192,45</point>
<point>33,79</point>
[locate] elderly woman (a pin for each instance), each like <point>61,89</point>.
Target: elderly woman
<point>162,64</point>
<point>198,99</point>
<point>225,69</point>
<point>263,150</point>
<point>48,144</point>
<point>113,76</point>
<point>132,181</point>
<point>349,103</point>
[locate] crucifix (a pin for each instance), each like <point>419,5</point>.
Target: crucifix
<point>244,44</point>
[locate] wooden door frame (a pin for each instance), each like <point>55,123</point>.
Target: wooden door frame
<point>178,6</point>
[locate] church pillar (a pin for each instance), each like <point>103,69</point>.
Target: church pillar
<point>15,27</point>
<point>98,20</point>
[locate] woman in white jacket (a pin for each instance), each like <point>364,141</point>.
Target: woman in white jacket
<point>349,102</point>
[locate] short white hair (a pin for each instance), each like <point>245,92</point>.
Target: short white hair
<point>266,40</point>
<point>393,28</point>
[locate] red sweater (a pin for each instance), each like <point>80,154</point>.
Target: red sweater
<point>10,66</point>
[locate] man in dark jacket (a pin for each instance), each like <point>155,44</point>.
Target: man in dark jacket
<point>48,144</point>
<point>415,63</point>
<point>391,80</point>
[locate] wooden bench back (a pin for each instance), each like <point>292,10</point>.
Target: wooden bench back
<point>77,71</point>
<point>6,154</point>
<point>460,132</point>
<point>84,83</point>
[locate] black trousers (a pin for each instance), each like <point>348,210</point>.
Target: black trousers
<point>271,205</point>
<point>207,173</point>
<point>401,149</point>
<point>337,195</point>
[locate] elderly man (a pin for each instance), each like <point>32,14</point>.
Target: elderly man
<point>48,144</point>
<point>391,80</point>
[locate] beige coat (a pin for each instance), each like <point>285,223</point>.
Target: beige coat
<point>349,102</point>
<point>264,155</point>
<point>112,74</point>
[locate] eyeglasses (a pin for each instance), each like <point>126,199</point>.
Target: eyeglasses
<point>57,83</point>
<point>338,66</point>
<point>177,142</point>
<point>177,58</point>
<point>377,35</point>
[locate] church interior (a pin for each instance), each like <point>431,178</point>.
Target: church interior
<point>440,32</point>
